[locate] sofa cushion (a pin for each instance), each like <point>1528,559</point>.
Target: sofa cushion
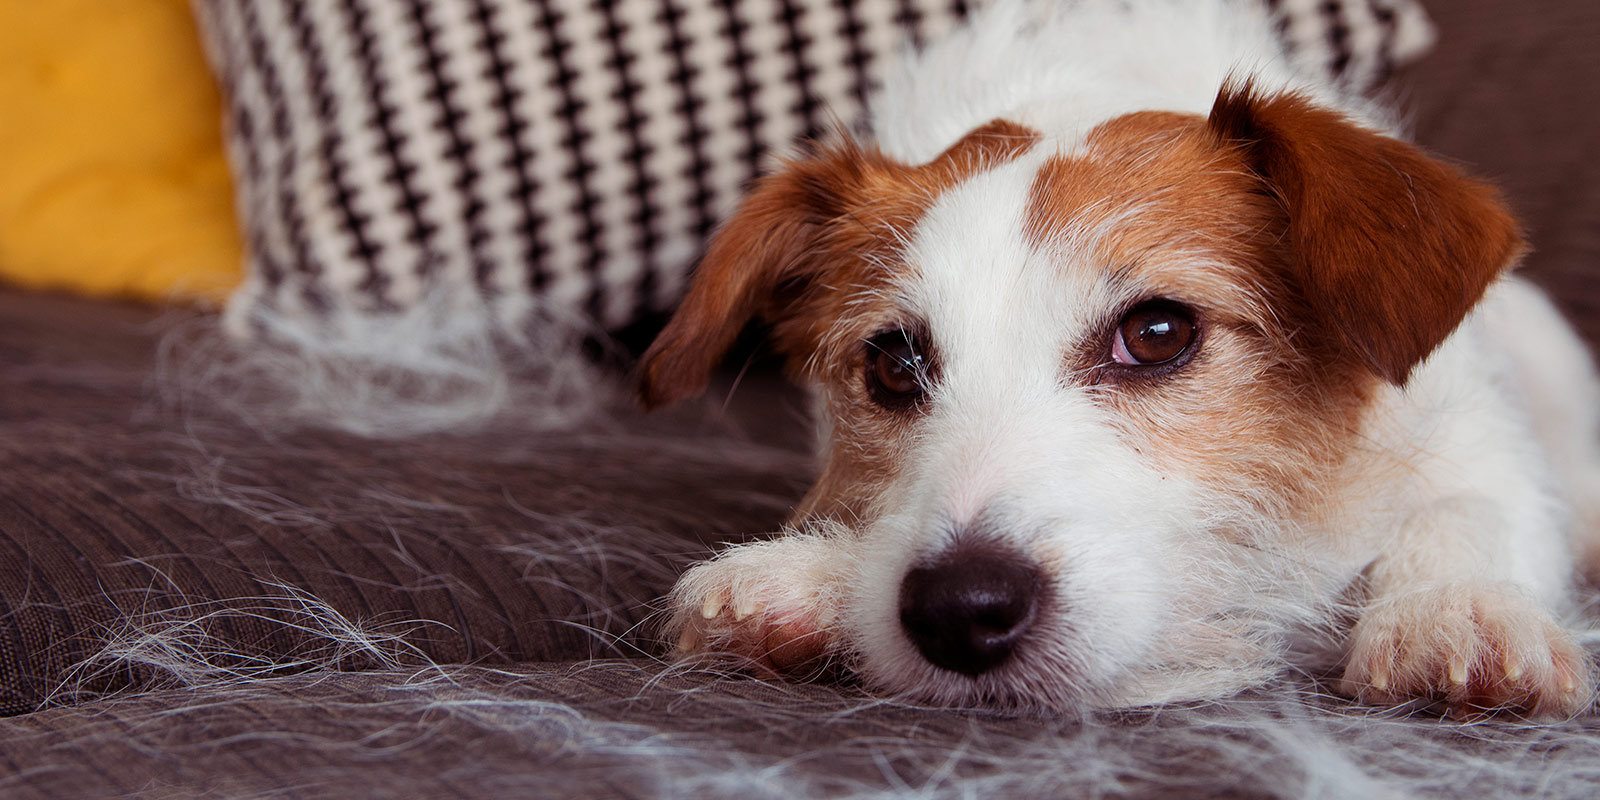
<point>539,160</point>
<point>112,175</point>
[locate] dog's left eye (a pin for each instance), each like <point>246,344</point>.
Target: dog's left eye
<point>1152,333</point>
<point>895,369</point>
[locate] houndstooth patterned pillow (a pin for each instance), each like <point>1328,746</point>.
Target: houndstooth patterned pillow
<point>563,155</point>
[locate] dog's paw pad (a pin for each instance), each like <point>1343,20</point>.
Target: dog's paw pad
<point>1475,649</point>
<point>750,605</point>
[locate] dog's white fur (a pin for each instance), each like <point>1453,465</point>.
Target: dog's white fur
<point>1450,535</point>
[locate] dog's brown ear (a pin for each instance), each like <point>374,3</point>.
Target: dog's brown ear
<point>1387,247</point>
<point>765,245</point>
<point>760,262</point>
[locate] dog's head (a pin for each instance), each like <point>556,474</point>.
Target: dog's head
<point>1085,406</point>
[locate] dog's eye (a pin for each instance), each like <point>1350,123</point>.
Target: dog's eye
<point>1153,333</point>
<point>895,369</point>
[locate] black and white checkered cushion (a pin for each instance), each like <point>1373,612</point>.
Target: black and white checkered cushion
<point>563,155</point>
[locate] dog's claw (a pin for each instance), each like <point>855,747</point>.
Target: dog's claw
<point>712,606</point>
<point>1477,648</point>
<point>1569,681</point>
<point>688,641</point>
<point>1513,669</point>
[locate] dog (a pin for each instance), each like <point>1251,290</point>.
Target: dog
<point>1146,368</point>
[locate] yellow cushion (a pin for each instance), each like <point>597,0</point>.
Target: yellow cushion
<point>112,176</point>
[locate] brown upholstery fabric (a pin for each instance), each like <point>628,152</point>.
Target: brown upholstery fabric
<point>626,729</point>
<point>1512,90</point>
<point>113,509</point>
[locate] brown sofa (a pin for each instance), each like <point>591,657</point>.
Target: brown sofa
<point>192,606</point>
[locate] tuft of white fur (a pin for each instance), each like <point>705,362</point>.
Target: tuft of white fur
<point>1064,66</point>
<point>178,645</point>
<point>441,365</point>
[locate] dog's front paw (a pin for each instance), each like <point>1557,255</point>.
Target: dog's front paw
<point>771,603</point>
<point>1476,648</point>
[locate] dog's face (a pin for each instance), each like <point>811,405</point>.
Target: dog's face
<point>1087,409</point>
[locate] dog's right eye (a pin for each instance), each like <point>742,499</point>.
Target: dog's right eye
<point>896,371</point>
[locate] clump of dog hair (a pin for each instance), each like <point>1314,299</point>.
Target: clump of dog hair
<point>1286,740</point>
<point>179,645</point>
<point>443,365</point>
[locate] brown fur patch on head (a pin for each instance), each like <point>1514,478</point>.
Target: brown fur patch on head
<point>830,220</point>
<point>1387,247</point>
<point>1320,258</point>
<point>1151,195</point>
<point>1176,217</point>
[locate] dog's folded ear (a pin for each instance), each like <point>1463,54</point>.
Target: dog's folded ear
<point>768,243</point>
<point>1387,248</point>
<point>819,213</point>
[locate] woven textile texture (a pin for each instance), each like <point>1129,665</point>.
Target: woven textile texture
<point>114,515</point>
<point>550,158</point>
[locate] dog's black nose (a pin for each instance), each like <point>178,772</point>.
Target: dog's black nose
<point>967,610</point>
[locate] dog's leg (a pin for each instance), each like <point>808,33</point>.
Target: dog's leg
<point>1466,593</point>
<point>1555,377</point>
<point>1444,623</point>
<point>772,602</point>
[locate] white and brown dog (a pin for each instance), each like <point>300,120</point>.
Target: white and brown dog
<point>1134,376</point>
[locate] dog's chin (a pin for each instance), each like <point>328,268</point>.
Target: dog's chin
<point>1035,681</point>
<point>1053,684</point>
